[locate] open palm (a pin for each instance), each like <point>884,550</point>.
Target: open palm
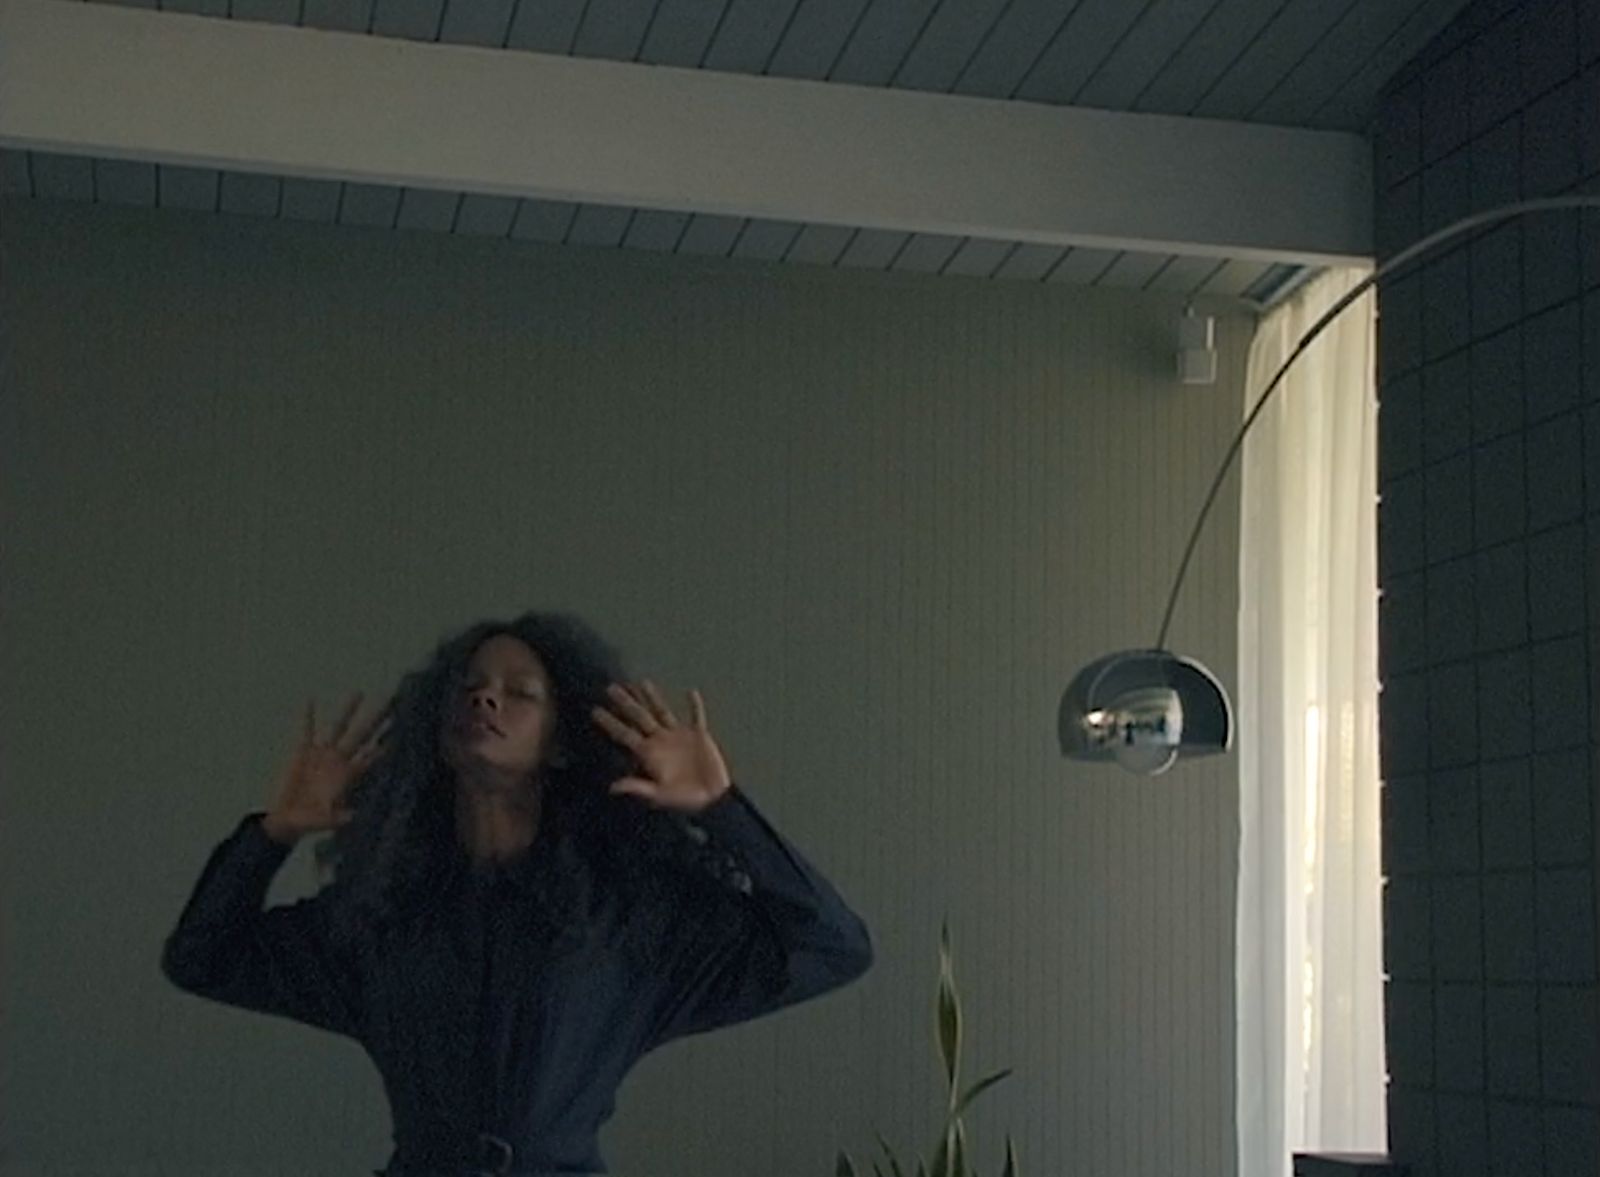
<point>681,767</point>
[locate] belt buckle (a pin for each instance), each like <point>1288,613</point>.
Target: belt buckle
<point>502,1151</point>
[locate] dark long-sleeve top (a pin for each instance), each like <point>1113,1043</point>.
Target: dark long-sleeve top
<point>514,1002</point>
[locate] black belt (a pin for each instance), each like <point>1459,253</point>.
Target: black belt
<point>488,1156</point>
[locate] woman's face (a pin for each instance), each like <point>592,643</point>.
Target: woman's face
<point>499,721</point>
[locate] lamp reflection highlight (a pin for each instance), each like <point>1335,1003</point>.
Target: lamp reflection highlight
<point>1143,709</point>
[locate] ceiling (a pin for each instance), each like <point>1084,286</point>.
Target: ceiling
<point>1302,63</point>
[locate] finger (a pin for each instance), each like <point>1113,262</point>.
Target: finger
<point>616,729</point>
<point>369,755</point>
<point>632,786</point>
<point>630,706</point>
<point>643,714</point>
<point>658,705</point>
<point>697,710</point>
<point>344,719</point>
<point>354,741</point>
<point>381,720</point>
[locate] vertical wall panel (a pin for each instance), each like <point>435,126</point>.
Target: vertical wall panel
<point>879,519</point>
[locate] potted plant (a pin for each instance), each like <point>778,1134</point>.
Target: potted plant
<point>950,1156</point>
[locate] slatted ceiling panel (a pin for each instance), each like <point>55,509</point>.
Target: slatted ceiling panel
<point>1269,58</point>
<point>819,245</point>
<point>196,7</point>
<point>1359,33</point>
<point>1082,267</point>
<point>1132,270</point>
<point>1030,262</point>
<point>680,33</point>
<point>881,40</point>
<point>710,235</point>
<point>1205,55</point>
<point>926,253</point>
<point>767,241</point>
<point>816,38</point>
<point>1296,62</point>
<point>1009,48</point>
<point>613,29</point>
<point>656,230</point>
<point>543,220</point>
<point>414,20</point>
<point>1353,103</point>
<point>486,216</point>
<point>749,35</point>
<point>874,249</point>
<point>339,16</point>
<point>120,181</point>
<point>481,22</point>
<point>945,45</point>
<point>1286,61</point>
<point>248,194</point>
<point>62,177</point>
<point>1141,54</point>
<point>547,26</point>
<point>1234,277</point>
<point>427,209</point>
<point>1094,30</point>
<point>311,200</point>
<point>1185,275</point>
<point>978,257</point>
<point>16,173</point>
<point>598,224</point>
<point>277,12</point>
<point>370,205</point>
<point>1157,273</point>
<point>16,177</point>
<point>195,189</point>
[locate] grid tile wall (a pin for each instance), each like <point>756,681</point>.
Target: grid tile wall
<point>1489,557</point>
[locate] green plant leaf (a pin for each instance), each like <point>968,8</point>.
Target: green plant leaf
<point>949,1013</point>
<point>951,1155</point>
<point>976,1090</point>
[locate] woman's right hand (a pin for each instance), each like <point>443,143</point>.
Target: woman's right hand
<point>312,795</point>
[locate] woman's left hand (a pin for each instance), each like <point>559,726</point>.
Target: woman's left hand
<point>681,767</point>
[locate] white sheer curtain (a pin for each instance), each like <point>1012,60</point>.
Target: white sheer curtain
<point>1309,967</point>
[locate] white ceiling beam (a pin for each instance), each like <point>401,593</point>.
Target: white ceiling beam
<point>98,79</point>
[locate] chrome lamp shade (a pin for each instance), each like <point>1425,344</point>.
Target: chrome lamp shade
<point>1144,709</point>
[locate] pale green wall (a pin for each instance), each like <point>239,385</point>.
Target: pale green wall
<point>879,520</point>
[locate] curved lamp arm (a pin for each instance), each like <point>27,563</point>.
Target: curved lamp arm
<point>1409,254</point>
<point>1146,708</point>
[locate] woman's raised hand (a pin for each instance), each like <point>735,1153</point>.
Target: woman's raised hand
<point>312,795</point>
<point>681,767</point>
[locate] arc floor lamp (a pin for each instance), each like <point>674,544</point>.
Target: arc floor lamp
<point>1144,709</point>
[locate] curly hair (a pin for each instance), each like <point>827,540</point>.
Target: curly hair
<point>386,858</point>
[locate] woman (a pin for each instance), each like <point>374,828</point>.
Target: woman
<point>541,874</point>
